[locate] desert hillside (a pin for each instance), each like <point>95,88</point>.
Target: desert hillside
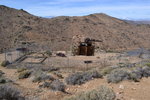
<point>56,33</point>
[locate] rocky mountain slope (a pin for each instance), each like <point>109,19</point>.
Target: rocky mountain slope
<point>138,21</point>
<point>56,33</point>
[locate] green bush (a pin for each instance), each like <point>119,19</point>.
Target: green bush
<point>102,93</point>
<point>24,74</point>
<point>5,63</point>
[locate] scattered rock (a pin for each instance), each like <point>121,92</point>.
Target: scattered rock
<point>121,87</point>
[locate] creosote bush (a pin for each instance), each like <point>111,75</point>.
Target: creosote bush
<point>82,77</point>
<point>102,93</point>
<point>24,74</point>
<point>8,92</point>
<point>5,63</point>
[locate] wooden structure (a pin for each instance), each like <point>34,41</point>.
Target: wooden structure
<point>84,46</point>
<point>86,49</point>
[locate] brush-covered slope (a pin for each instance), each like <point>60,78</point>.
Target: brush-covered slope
<point>56,33</point>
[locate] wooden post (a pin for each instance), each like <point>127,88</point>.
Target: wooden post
<point>5,54</point>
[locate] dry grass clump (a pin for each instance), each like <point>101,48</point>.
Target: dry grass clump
<point>8,92</point>
<point>102,93</point>
<point>82,77</point>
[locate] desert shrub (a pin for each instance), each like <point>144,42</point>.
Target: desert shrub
<point>49,53</point>
<point>10,93</point>
<point>102,93</point>
<point>24,74</point>
<point>136,74</point>
<point>148,64</point>
<point>5,63</point>
<point>40,76</point>
<point>58,74</point>
<point>1,73</point>
<point>5,80</point>
<point>50,69</point>
<point>21,70</point>
<point>118,75</point>
<point>82,77</point>
<point>146,71</point>
<point>106,70</point>
<point>2,80</point>
<point>45,85</point>
<point>122,74</point>
<point>141,71</point>
<point>55,85</point>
